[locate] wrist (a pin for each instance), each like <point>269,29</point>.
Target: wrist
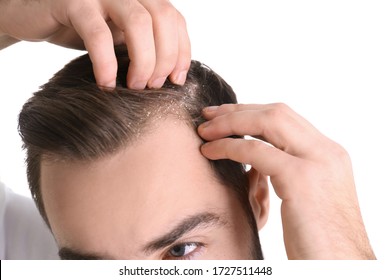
<point>316,232</point>
<point>333,240</point>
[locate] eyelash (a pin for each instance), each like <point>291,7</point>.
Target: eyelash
<point>199,247</point>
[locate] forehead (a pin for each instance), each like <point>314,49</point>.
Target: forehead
<point>134,193</point>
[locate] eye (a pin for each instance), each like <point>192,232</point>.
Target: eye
<point>182,251</point>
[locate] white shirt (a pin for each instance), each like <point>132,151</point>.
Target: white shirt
<point>23,233</point>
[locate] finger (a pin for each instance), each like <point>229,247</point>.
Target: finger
<point>271,123</point>
<point>266,159</point>
<point>183,63</point>
<point>92,28</point>
<point>137,26</point>
<point>215,111</point>
<point>166,37</point>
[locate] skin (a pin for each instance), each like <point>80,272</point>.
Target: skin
<point>310,173</point>
<point>115,206</point>
<point>153,30</point>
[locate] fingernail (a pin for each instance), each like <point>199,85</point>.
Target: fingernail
<point>181,78</point>
<point>138,85</point>
<point>157,83</point>
<point>111,84</point>
<point>205,124</point>
<point>204,146</point>
<point>210,109</point>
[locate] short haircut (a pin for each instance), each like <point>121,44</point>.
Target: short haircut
<point>71,118</point>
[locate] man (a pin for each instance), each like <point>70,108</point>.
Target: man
<point>118,173</point>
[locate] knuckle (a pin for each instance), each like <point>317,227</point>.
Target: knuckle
<point>253,146</point>
<point>181,20</point>
<point>281,106</point>
<point>95,36</point>
<point>77,6</point>
<point>167,60</point>
<point>82,10</point>
<point>141,67</point>
<point>142,74</point>
<point>166,11</point>
<point>163,71</point>
<point>140,19</point>
<point>277,113</point>
<point>143,60</point>
<point>332,153</point>
<point>97,31</point>
<point>183,63</point>
<point>339,152</point>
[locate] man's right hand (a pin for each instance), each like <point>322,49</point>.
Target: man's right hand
<point>309,172</point>
<point>153,30</point>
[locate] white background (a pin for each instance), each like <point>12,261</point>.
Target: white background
<point>328,60</point>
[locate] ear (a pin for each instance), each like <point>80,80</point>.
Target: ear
<point>259,197</point>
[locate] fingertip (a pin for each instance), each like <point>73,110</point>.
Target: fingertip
<point>111,84</point>
<point>98,42</point>
<point>179,78</point>
<point>204,147</point>
<point>208,150</point>
<point>103,82</point>
<point>136,80</point>
<point>210,109</point>
<point>105,68</point>
<point>201,129</point>
<point>157,83</point>
<point>137,85</point>
<point>210,112</point>
<point>183,64</point>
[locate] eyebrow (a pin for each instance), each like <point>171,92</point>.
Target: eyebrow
<point>66,253</point>
<point>201,220</point>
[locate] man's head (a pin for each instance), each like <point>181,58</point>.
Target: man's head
<point>119,174</point>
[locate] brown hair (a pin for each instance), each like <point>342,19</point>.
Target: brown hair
<point>71,118</point>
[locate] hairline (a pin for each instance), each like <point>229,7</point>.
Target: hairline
<point>147,129</point>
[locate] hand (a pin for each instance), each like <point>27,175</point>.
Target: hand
<point>153,30</point>
<point>309,172</point>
